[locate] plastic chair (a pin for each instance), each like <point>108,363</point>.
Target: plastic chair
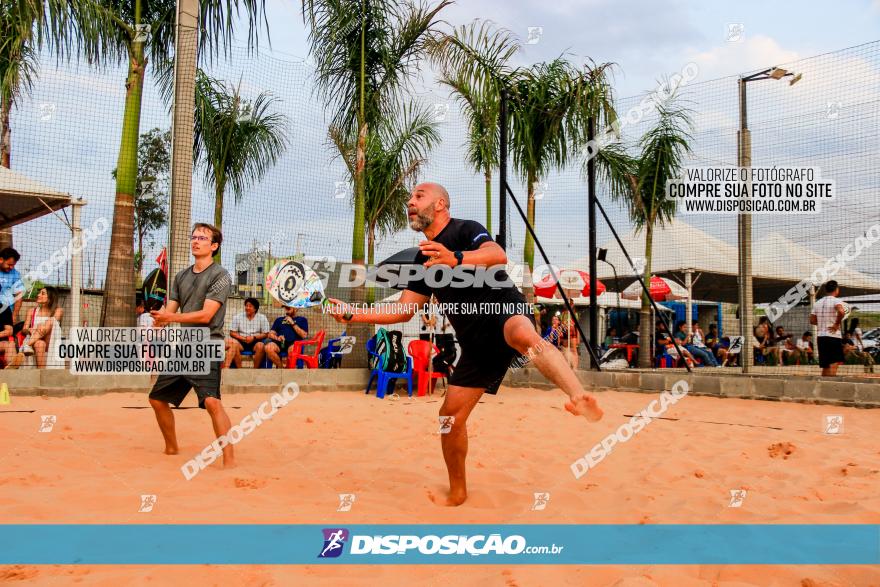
<point>384,378</point>
<point>296,352</point>
<point>330,358</point>
<point>422,351</point>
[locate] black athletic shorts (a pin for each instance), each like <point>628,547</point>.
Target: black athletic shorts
<point>485,357</point>
<point>173,388</point>
<point>248,347</point>
<point>830,351</point>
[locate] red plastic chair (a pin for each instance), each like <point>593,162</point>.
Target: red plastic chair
<point>422,351</point>
<point>296,352</point>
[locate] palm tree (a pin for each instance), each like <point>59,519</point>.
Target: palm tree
<point>544,100</point>
<point>396,153</point>
<point>236,141</point>
<point>18,66</point>
<point>137,32</point>
<point>662,149</point>
<point>473,60</point>
<point>365,54</point>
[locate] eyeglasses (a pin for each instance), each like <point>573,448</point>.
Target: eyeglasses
<point>198,237</point>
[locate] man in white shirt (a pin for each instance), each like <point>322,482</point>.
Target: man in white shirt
<point>805,344</point>
<point>247,333</point>
<point>828,314</point>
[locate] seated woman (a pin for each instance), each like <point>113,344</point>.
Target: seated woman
<point>764,345</point>
<point>43,331</point>
<point>610,338</point>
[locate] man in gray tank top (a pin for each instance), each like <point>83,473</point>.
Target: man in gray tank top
<point>200,293</point>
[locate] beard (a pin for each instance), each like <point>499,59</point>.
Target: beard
<point>423,219</point>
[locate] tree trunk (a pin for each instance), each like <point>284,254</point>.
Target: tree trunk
<point>529,246</point>
<point>5,150</point>
<point>371,247</point>
<point>218,210</point>
<point>529,250</point>
<point>358,358</point>
<point>119,289</point>
<point>371,243</point>
<point>5,138</point>
<point>646,328</point>
<point>488,178</point>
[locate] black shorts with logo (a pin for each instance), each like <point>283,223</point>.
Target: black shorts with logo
<point>173,388</point>
<point>485,355</point>
<point>830,351</point>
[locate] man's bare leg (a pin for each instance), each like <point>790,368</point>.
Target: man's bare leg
<point>165,418</point>
<point>230,353</point>
<point>520,335</point>
<point>221,423</point>
<point>272,351</point>
<point>459,403</point>
<point>259,354</point>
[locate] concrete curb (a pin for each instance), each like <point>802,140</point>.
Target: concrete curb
<point>845,391</point>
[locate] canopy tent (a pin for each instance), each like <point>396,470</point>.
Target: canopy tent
<point>682,252</point>
<point>23,199</point>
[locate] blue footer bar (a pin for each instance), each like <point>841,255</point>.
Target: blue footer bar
<point>441,544</point>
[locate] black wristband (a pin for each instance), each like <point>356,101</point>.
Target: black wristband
<point>459,256</point>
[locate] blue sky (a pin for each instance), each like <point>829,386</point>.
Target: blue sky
<point>648,39</point>
<point>75,148</point>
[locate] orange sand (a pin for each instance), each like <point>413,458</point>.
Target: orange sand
<point>100,457</point>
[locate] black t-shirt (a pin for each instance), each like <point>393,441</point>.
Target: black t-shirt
<point>471,309</point>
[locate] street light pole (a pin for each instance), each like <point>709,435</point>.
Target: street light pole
<point>744,220</point>
<point>744,225</point>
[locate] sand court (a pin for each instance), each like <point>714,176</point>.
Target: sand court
<point>103,453</point>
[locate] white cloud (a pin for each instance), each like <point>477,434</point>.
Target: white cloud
<point>753,52</point>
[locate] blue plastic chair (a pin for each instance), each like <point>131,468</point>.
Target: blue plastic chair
<point>329,353</point>
<point>384,378</point>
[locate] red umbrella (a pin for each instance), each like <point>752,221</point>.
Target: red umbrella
<point>661,290</point>
<point>570,279</point>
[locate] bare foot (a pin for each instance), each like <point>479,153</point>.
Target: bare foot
<point>585,405</point>
<point>171,450</point>
<point>452,499</point>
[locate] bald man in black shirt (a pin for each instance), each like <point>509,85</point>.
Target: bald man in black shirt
<point>489,340</point>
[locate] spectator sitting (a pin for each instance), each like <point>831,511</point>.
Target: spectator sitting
<point>610,337</point>
<point>285,331</point>
<point>689,341</point>
<point>853,356</point>
<point>661,339</point>
<point>763,344</point>
<point>144,318</point>
<point>723,350</point>
<point>712,337</point>
<point>569,342</point>
<point>247,332</point>
<point>11,287</point>
<point>856,334</point>
<point>664,345</point>
<point>805,344</point>
<point>789,354</point>
<point>42,329</point>
<point>553,333</point>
